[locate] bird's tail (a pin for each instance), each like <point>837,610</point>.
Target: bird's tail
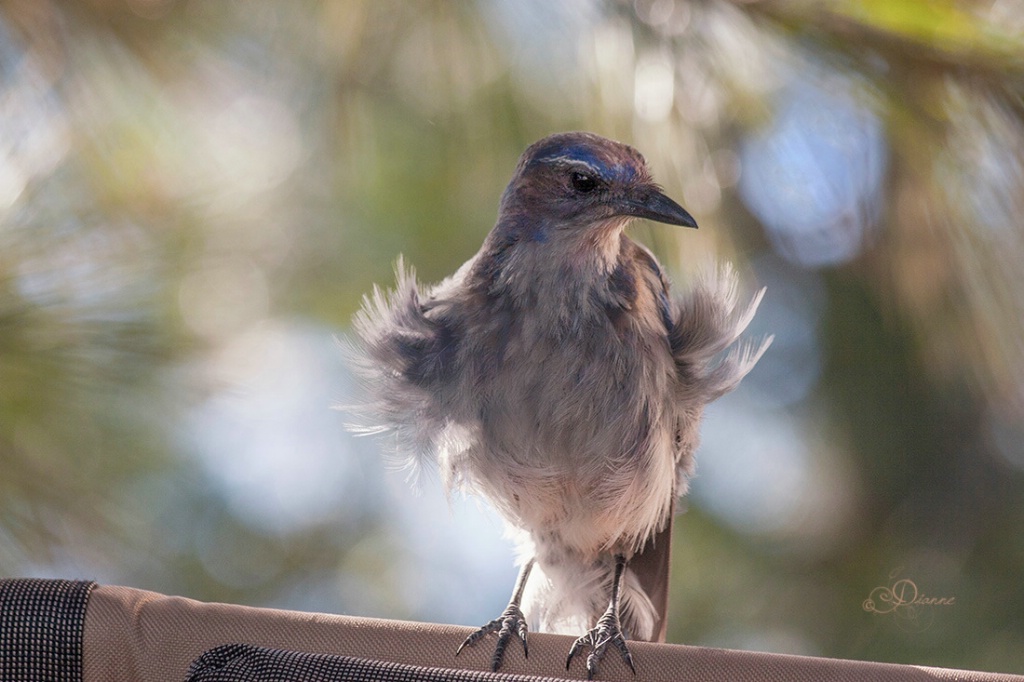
<point>706,324</point>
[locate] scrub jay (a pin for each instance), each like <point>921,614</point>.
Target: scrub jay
<point>554,375</point>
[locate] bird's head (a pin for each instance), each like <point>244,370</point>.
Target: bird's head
<point>576,183</point>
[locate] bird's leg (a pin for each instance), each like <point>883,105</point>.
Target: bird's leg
<point>510,622</point>
<point>607,631</point>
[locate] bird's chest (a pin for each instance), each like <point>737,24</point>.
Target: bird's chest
<point>577,438</point>
<point>575,394</point>
<point>575,419</point>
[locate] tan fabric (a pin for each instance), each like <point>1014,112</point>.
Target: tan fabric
<point>136,635</point>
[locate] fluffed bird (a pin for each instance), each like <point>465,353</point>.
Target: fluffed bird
<point>554,375</point>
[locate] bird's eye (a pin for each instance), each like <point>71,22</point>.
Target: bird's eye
<point>581,182</point>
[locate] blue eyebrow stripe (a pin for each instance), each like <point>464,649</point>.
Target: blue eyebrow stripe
<point>575,152</point>
<point>584,154</point>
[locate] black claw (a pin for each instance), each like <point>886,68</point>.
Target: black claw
<point>472,639</point>
<point>620,643</point>
<point>572,651</point>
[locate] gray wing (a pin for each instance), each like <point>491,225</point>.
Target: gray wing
<point>705,324</point>
<point>404,358</point>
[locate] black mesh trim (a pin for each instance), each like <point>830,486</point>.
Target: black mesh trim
<point>247,663</point>
<point>42,623</point>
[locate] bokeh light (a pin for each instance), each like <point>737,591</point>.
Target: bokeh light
<point>194,196</point>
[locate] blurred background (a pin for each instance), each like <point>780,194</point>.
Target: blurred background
<point>195,195</point>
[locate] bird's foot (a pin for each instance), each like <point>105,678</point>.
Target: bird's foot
<point>510,622</point>
<point>607,631</point>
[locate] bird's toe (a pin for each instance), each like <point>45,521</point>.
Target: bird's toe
<point>606,632</point>
<point>510,623</point>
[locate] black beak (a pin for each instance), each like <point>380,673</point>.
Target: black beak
<point>650,203</point>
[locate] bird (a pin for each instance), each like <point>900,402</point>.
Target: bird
<point>556,376</point>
